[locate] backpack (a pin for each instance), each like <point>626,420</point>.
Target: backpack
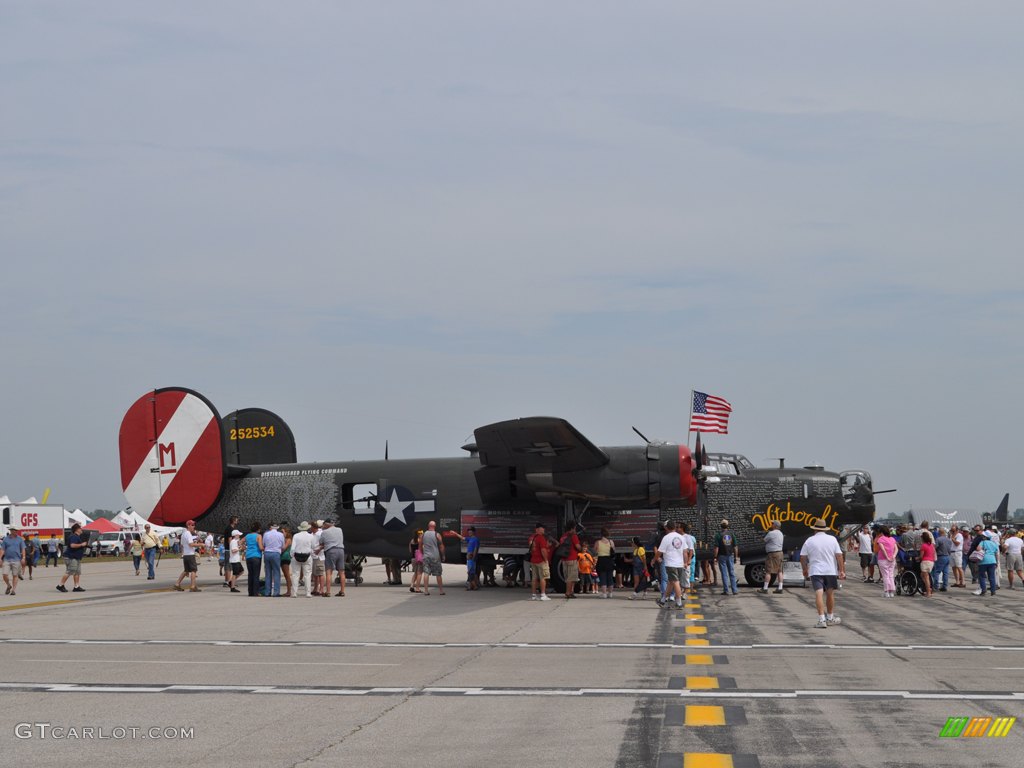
<point>563,548</point>
<point>727,543</point>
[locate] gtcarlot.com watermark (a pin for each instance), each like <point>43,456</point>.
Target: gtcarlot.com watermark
<point>46,731</point>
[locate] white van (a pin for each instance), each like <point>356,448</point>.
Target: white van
<point>114,543</point>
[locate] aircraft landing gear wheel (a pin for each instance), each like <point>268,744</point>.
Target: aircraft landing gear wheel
<point>908,584</point>
<point>754,574</point>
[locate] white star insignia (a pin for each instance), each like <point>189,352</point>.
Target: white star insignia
<point>394,508</point>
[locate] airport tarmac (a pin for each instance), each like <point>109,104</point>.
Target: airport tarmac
<point>130,671</point>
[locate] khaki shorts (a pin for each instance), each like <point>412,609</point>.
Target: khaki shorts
<point>318,567</point>
<point>927,565</point>
<point>72,565</point>
<point>570,571</point>
<point>773,562</point>
<point>12,568</point>
<point>540,571</point>
<point>1014,562</point>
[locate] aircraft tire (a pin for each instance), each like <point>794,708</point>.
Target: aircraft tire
<point>556,584</point>
<point>754,574</point>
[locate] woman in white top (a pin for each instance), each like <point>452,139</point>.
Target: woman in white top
<point>956,555</point>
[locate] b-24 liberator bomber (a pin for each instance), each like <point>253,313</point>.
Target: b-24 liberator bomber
<point>181,460</point>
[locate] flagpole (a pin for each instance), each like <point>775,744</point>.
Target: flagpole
<point>689,421</point>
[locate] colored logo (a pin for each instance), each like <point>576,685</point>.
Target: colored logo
<point>977,727</point>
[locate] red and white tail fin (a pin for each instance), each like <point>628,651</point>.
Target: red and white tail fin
<point>172,456</point>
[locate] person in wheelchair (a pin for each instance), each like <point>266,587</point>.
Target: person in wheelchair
<point>909,581</point>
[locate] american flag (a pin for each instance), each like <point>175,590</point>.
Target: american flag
<point>710,413</point>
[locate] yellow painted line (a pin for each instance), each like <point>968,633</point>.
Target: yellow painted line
<point>696,630</point>
<point>700,658</point>
<point>702,683</point>
<point>37,605</point>
<point>699,716</point>
<point>706,760</point>
<point>697,641</point>
<point>691,605</point>
<point>694,616</point>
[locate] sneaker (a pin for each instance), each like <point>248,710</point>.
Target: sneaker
<point>78,589</point>
<point>631,597</point>
<point>544,597</point>
<point>679,606</point>
<point>8,590</point>
<point>534,597</point>
<point>763,590</point>
<point>661,603</point>
<point>833,620</point>
<point>977,592</point>
<point>822,624</point>
<point>735,592</point>
<point>778,591</point>
<point>61,588</point>
<point>238,590</point>
<point>725,593</point>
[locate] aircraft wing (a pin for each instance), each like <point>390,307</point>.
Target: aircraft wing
<point>537,444</point>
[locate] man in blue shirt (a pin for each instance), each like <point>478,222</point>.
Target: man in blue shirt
<point>472,552</point>
<point>14,559</point>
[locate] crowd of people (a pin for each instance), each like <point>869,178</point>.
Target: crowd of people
<point>943,558</point>
<point>276,561</point>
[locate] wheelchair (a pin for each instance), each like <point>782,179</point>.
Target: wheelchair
<point>908,580</point>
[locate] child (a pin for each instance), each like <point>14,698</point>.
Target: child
<point>220,557</point>
<point>586,563</point>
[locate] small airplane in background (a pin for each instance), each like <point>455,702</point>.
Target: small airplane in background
<point>180,460</point>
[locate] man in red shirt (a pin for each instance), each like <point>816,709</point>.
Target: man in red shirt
<point>539,553</point>
<point>570,563</point>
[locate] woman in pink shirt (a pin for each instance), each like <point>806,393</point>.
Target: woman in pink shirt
<point>885,548</point>
<point>927,561</point>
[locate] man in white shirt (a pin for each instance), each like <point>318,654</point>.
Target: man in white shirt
<point>867,568</point>
<point>673,550</point>
<point>1013,546</point>
<point>821,558</point>
<point>302,553</point>
<point>691,556</point>
<point>189,540</point>
<point>773,557</point>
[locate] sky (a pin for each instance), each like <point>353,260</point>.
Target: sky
<point>401,221</point>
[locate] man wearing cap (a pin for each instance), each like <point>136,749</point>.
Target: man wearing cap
<point>332,541</point>
<point>188,558</point>
<point>726,553</point>
<point>302,552</point>
<point>73,554</point>
<point>773,557</point>
<point>822,560</point>
<point>14,558</point>
<point>539,549</point>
